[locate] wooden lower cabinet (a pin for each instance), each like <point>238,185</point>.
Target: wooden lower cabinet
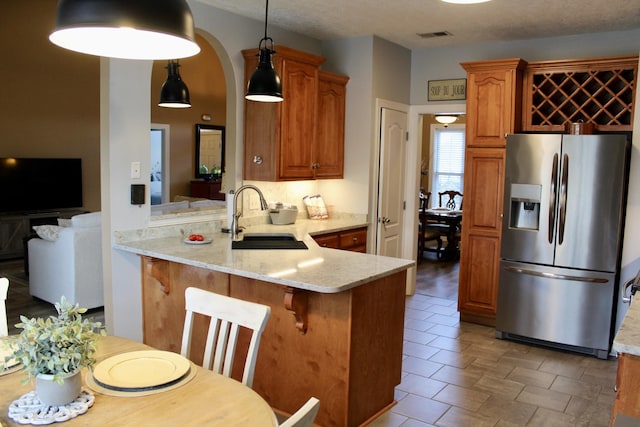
<point>627,399</point>
<point>350,356</point>
<point>354,240</point>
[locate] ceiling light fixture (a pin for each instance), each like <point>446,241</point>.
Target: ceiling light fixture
<point>446,119</point>
<point>140,29</point>
<point>265,85</point>
<point>174,92</point>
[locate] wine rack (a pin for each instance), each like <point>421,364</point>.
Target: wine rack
<point>599,91</point>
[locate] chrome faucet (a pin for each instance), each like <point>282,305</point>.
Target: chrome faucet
<point>236,215</point>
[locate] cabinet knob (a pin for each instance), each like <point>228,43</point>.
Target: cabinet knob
<point>355,239</point>
<point>257,160</point>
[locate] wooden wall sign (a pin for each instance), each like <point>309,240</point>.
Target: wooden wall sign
<point>447,90</point>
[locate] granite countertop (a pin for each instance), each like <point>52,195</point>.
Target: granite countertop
<point>627,340</point>
<point>316,269</point>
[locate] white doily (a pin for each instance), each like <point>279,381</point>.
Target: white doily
<point>29,410</point>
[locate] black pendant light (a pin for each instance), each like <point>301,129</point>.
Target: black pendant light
<point>174,92</point>
<point>129,29</point>
<point>264,85</point>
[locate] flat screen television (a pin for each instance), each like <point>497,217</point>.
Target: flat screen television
<point>35,185</point>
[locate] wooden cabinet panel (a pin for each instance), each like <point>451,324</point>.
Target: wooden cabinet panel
<point>301,137</point>
<point>329,142</point>
<point>494,92</point>
<point>627,400</point>
<point>483,190</point>
<point>349,240</point>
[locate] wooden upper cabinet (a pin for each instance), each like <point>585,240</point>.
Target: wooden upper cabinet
<point>330,123</point>
<point>494,90</point>
<point>281,139</point>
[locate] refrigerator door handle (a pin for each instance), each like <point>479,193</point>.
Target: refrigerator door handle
<point>563,198</point>
<point>552,197</point>
<point>556,276</point>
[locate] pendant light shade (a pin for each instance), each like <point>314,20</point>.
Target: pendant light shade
<point>265,85</point>
<point>174,92</point>
<point>128,29</point>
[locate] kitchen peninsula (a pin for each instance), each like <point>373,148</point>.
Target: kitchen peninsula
<point>337,317</point>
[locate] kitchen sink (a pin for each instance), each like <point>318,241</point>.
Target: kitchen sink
<point>268,241</point>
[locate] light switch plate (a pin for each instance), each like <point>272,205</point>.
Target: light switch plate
<point>135,170</point>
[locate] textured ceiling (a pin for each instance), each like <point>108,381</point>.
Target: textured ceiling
<point>400,21</point>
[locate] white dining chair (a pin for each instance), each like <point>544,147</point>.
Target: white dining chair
<point>304,416</point>
<point>227,316</point>
<point>4,288</point>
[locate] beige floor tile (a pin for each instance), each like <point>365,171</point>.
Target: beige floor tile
<point>418,350</point>
<point>549,418</point>
<point>412,313</point>
<point>418,336</point>
<point>451,344</point>
<point>452,358</point>
<point>421,386</point>
<point>463,377</point>
<point>525,360</point>
<point>504,388</point>
<point>418,325</point>
<point>445,331</point>
<point>508,411</point>
<point>532,377</point>
<point>456,417</point>
<point>420,408</point>
<point>425,368</point>
<point>562,366</point>
<point>545,398</point>
<point>445,320</point>
<point>576,387</point>
<point>498,369</point>
<point>462,397</point>
<point>590,412</point>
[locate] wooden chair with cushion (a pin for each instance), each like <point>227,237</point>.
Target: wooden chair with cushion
<point>4,287</point>
<point>304,416</point>
<point>427,232</point>
<point>227,316</point>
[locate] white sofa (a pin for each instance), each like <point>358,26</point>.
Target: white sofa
<point>67,260</point>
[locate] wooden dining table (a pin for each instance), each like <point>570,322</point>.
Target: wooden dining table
<point>450,220</point>
<point>207,399</point>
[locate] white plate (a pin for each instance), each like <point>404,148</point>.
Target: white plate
<point>195,242</point>
<point>141,369</point>
<point>5,350</point>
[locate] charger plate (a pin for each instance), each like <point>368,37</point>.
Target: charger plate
<point>93,385</point>
<point>141,370</point>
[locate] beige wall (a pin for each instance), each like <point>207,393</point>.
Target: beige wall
<point>51,99</point>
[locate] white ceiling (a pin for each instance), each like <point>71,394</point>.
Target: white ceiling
<point>400,21</point>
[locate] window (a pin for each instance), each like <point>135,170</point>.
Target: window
<point>448,161</point>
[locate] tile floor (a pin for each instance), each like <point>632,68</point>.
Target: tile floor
<point>458,374</point>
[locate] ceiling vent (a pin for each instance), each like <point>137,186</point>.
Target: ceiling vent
<point>435,34</point>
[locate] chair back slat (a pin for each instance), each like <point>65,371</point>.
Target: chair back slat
<point>227,316</point>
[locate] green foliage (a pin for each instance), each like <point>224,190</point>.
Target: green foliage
<point>58,344</point>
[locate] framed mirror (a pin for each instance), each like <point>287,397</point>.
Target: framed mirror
<point>209,151</point>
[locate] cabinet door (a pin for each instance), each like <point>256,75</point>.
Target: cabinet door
<point>329,143</point>
<point>494,94</point>
<point>299,88</point>
<point>481,231</point>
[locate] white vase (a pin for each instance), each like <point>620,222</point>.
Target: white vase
<point>54,394</point>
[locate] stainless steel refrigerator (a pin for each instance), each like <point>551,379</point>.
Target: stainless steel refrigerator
<point>563,219</point>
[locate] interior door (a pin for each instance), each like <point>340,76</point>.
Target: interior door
<point>393,140</point>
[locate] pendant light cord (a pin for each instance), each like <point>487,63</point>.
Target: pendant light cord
<point>266,38</point>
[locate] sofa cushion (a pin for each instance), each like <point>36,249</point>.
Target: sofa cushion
<point>47,232</point>
<point>64,222</point>
<point>92,219</point>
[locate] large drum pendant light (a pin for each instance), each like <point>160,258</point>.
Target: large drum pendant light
<point>265,85</point>
<point>128,29</point>
<point>174,92</point>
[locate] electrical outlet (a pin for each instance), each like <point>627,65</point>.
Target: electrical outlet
<point>135,170</point>
<point>254,202</point>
